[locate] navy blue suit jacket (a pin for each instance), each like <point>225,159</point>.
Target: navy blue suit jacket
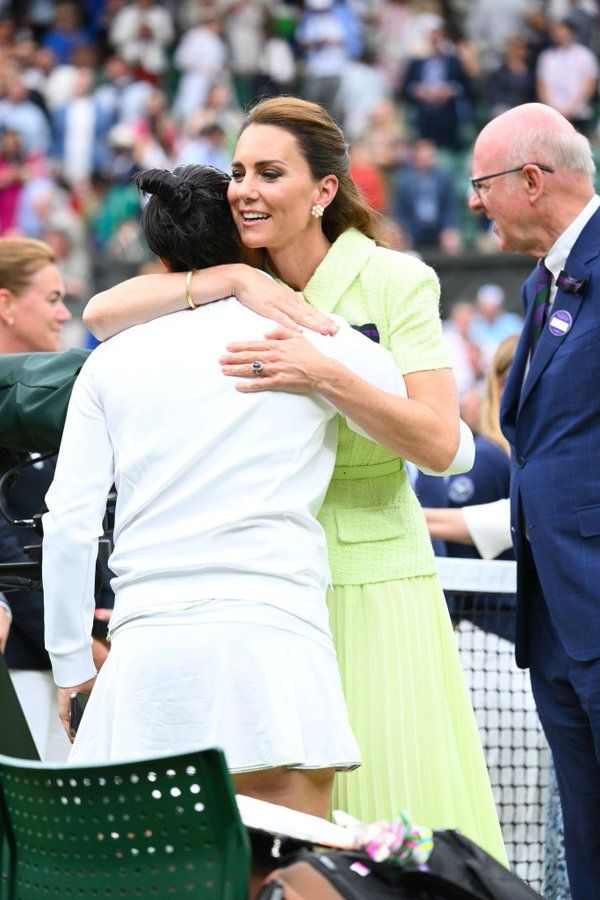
<point>25,646</point>
<point>550,414</point>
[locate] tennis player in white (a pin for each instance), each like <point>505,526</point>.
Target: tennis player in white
<point>219,634</point>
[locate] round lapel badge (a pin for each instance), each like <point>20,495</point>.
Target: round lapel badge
<point>560,322</point>
<point>460,490</point>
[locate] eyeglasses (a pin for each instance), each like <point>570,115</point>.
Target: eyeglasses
<point>478,183</point>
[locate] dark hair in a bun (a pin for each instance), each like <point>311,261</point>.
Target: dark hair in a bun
<point>187,221</point>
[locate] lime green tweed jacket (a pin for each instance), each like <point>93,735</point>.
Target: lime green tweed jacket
<point>375,527</point>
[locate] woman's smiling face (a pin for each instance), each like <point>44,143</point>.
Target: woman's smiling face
<point>272,190</point>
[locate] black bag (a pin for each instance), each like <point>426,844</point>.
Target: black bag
<point>457,870</point>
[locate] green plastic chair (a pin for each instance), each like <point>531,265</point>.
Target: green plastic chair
<point>155,828</point>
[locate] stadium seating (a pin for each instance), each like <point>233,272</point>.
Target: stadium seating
<point>154,828</point>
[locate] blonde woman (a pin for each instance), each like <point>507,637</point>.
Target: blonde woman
<point>32,313</point>
<point>476,522</point>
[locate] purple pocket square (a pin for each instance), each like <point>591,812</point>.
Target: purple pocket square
<point>569,284</point>
<point>369,330</point>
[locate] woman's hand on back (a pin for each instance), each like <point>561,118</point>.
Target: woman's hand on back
<point>278,302</point>
<point>289,363</point>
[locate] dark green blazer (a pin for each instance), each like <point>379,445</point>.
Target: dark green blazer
<point>34,394</point>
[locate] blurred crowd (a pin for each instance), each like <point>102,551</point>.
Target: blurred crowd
<point>91,92</point>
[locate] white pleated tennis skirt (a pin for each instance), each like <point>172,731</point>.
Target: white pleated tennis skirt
<point>266,695</point>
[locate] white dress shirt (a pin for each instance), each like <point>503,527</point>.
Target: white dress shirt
<point>558,254</point>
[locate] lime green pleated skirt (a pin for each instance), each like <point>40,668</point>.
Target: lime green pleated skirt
<point>410,711</point>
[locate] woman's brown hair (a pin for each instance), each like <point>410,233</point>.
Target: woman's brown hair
<point>490,406</point>
<point>325,150</point>
<point>20,259</point>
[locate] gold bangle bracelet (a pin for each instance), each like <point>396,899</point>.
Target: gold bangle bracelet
<point>188,292</point>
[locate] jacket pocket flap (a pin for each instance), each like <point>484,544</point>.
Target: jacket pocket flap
<point>371,523</point>
<point>588,519</point>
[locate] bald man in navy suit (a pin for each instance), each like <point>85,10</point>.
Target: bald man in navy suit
<point>533,175</point>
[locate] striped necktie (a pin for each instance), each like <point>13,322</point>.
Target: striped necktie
<point>540,303</point>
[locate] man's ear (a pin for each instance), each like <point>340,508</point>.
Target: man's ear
<point>165,264</point>
<point>7,306</point>
<point>534,178</point>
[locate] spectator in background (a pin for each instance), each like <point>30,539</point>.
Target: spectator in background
<point>80,130</point>
<point>436,89</point>
<point>244,32</point>
<point>385,137</point>
<point>73,263</point>
<point>278,63</point>
<point>36,63</point>
<point>425,201</point>
<point>398,27</point>
<point>489,479</point>
<point>122,96</point>
<point>512,82</point>
<point>155,134</point>
<point>583,14</point>
<point>121,142</point>
<point>117,198</point>
<point>329,36</point>
<point>32,314</point>
<point>567,76</point>
<point>207,149</point>
<point>141,34</point>
<point>7,36</point>
<point>466,355</point>
<point>362,88</point>
<point>16,168</point>
<point>200,56</point>
<point>220,107</point>
<point>55,83</point>
<point>19,114</point>
<point>470,407</point>
<point>11,178</point>
<point>367,176</point>
<point>66,33</point>
<point>191,13</point>
<point>490,26</point>
<point>492,323</point>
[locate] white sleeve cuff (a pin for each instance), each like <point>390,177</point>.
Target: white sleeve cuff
<point>489,526</point>
<point>464,457</point>
<point>76,668</point>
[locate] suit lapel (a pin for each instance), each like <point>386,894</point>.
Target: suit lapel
<point>512,389</point>
<point>550,341</point>
<point>585,249</point>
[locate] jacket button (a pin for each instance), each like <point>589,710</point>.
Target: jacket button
<point>520,461</point>
<point>513,530</point>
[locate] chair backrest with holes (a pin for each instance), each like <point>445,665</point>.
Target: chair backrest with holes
<point>154,828</point>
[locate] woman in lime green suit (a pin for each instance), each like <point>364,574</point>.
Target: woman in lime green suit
<point>292,199</point>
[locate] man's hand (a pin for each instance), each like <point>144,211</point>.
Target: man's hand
<point>5,620</point>
<point>64,701</point>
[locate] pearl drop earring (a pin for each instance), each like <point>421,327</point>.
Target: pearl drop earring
<point>317,211</point>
